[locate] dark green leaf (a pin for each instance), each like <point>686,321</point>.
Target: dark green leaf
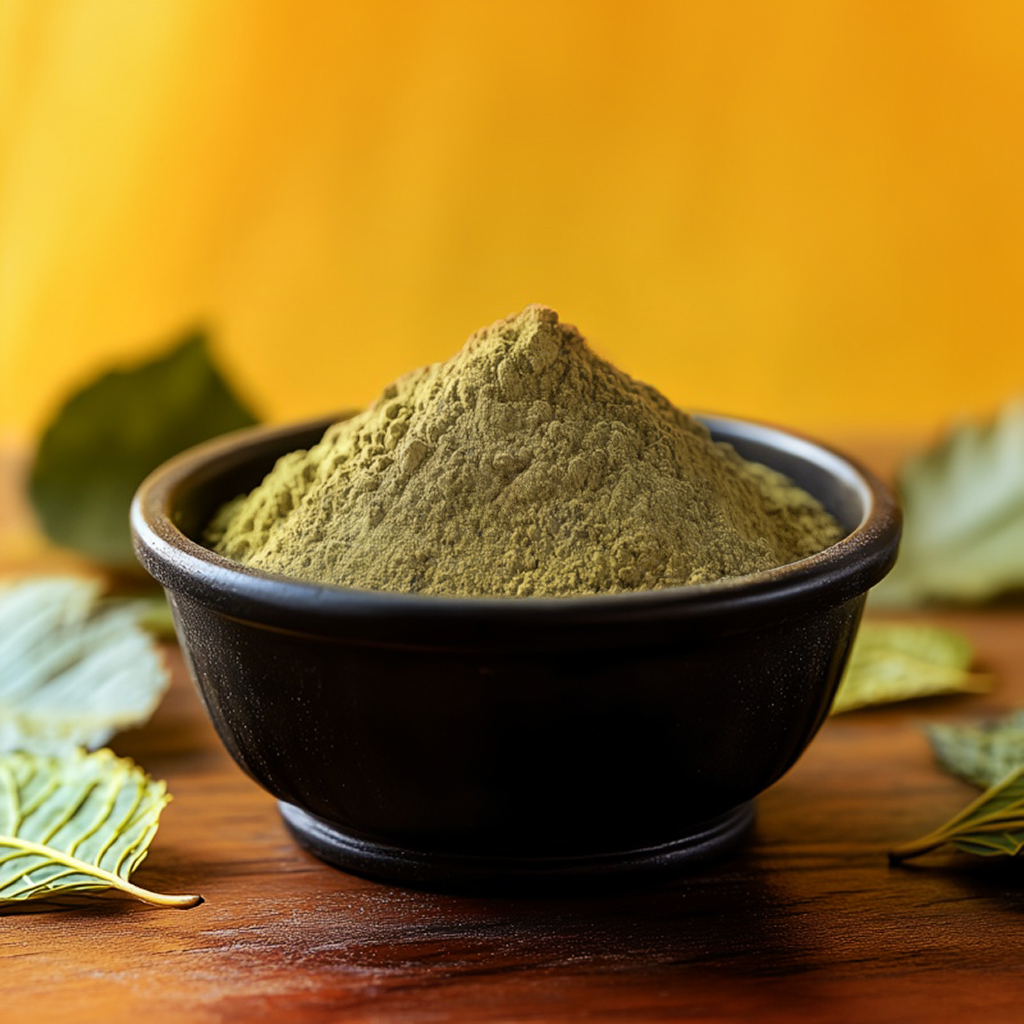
<point>963,504</point>
<point>982,754</point>
<point>108,437</point>
<point>77,823</point>
<point>900,662</point>
<point>990,826</point>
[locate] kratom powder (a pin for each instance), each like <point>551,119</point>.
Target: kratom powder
<point>525,465</point>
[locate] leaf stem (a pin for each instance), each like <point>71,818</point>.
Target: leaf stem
<point>932,841</point>
<point>1006,815</point>
<point>156,899</point>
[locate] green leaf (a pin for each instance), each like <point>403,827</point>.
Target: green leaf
<point>963,528</point>
<point>77,823</point>
<point>113,432</point>
<point>900,662</point>
<point>153,614</point>
<point>982,754</point>
<point>74,669</point>
<point>989,826</point>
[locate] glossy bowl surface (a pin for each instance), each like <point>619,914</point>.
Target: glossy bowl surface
<point>513,743</point>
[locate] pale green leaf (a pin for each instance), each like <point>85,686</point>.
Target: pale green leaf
<point>892,662</point>
<point>74,670</point>
<point>992,825</point>
<point>963,507</point>
<point>112,433</point>
<point>153,614</point>
<point>982,754</point>
<point>77,823</point>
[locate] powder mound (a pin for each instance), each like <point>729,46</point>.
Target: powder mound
<point>524,465</point>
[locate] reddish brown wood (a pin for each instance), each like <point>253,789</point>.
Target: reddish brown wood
<point>807,923</point>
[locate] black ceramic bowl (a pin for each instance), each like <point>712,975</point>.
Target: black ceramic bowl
<point>513,742</point>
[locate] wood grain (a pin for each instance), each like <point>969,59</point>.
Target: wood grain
<point>807,923</point>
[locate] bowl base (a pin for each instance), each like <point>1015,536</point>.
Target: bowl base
<point>461,873</point>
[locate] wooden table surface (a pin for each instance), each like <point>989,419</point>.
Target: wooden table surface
<point>807,922</point>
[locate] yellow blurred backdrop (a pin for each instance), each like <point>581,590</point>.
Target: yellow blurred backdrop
<point>808,212</point>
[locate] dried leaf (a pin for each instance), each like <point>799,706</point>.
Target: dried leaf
<point>74,669</point>
<point>982,754</point>
<point>77,823</point>
<point>990,826</point>
<point>113,432</point>
<point>900,662</point>
<point>963,526</point>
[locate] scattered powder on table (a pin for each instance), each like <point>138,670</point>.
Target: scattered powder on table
<point>524,465</point>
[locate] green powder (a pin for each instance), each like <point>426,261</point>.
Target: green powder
<point>525,465</point>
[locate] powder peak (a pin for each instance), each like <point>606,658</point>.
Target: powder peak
<point>524,465</point>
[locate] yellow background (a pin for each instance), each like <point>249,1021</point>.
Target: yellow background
<point>806,212</point>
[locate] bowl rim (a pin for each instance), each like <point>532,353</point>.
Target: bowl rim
<point>842,570</point>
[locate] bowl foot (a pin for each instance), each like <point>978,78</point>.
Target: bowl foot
<point>451,872</point>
